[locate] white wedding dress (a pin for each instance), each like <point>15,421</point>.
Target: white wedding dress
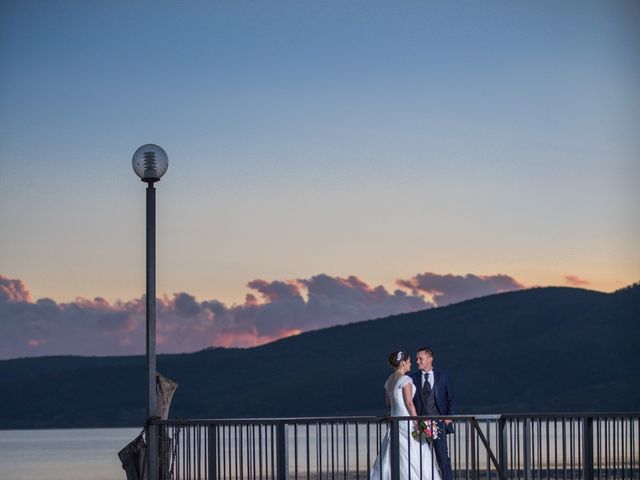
<point>417,459</point>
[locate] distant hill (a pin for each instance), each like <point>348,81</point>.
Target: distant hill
<point>543,349</point>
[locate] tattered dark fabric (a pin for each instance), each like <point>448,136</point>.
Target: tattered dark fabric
<point>133,458</point>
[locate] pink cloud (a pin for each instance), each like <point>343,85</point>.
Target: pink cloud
<point>576,281</point>
<point>13,290</point>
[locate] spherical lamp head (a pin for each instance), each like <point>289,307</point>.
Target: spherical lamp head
<point>150,162</point>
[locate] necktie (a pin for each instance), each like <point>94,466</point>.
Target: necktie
<point>426,387</point>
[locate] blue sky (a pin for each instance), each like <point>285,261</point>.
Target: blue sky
<point>376,139</point>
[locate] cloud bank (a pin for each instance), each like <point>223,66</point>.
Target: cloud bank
<point>447,289</point>
<point>273,310</point>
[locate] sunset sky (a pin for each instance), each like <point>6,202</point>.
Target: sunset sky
<point>330,161</point>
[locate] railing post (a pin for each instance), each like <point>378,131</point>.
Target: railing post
<point>472,439</point>
<point>212,459</point>
<point>282,448</point>
<point>587,447</point>
<point>502,443</point>
<point>527,449</point>
<point>164,452</point>
<point>152,451</point>
<point>394,437</point>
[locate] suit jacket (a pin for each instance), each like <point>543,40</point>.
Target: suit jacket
<point>442,390</point>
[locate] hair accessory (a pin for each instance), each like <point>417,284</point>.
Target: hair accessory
<point>399,356</point>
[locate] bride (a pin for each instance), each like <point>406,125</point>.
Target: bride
<point>416,459</point>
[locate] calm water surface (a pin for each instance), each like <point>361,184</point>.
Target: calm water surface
<point>82,454</point>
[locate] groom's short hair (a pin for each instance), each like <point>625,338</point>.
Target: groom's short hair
<point>427,350</point>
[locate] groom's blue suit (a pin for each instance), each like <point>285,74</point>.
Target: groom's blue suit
<point>443,405</point>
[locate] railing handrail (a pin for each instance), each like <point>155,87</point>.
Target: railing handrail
<point>570,415</point>
<point>274,420</point>
<point>382,419</point>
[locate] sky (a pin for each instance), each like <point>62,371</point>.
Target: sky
<point>329,162</point>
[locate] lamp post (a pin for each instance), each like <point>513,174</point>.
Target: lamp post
<point>150,162</point>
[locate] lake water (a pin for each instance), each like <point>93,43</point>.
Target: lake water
<point>70,454</point>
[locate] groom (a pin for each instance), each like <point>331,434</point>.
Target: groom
<point>434,397</point>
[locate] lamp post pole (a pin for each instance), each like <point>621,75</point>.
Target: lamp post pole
<point>152,398</point>
<point>150,162</point>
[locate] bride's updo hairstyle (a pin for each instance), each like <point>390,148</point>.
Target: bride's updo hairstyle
<point>396,357</point>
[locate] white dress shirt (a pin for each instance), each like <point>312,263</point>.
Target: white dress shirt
<point>430,372</point>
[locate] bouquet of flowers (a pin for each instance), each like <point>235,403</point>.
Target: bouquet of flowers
<point>426,430</point>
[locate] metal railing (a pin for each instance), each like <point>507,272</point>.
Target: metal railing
<point>491,447</point>
<point>570,446</point>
